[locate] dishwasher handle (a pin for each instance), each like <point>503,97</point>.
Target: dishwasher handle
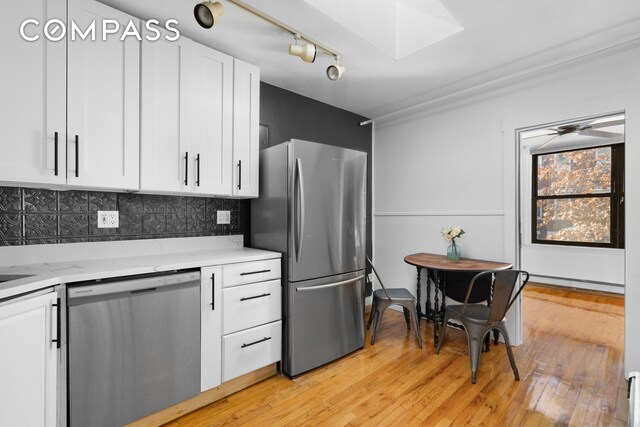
<point>131,286</point>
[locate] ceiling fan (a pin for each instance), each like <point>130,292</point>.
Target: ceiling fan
<point>586,128</point>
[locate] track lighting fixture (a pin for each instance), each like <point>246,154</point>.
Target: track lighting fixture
<point>208,13</point>
<point>306,52</point>
<point>335,71</point>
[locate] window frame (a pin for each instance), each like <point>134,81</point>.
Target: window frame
<point>616,197</point>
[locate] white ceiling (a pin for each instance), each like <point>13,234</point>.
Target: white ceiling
<point>500,37</point>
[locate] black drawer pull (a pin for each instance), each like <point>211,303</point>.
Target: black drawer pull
<point>256,342</point>
<point>254,272</point>
<point>257,296</point>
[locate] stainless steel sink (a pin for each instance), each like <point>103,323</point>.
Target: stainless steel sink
<point>10,277</point>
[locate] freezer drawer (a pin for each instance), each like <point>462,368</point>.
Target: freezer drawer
<point>326,321</point>
<point>251,305</point>
<point>251,272</point>
<point>251,349</point>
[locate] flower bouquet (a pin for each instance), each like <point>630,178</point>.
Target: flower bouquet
<point>451,234</point>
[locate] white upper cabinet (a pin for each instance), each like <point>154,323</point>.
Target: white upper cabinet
<point>28,362</point>
<point>246,112</point>
<point>164,132</point>
<point>33,100</point>
<point>103,102</point>
<point>210,110</point>
<point>186,118</point>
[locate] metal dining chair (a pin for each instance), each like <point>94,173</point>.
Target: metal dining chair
<point>385,297</point>
<point>478,319</point>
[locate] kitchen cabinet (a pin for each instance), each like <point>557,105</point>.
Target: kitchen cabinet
<point>246,128</point>
<point>28,361</point>
<point>252,312</point>
<point>33,101</point>
<point>103,102</point>
<point>211,327</point>
<point>71,108</point>
<point>186,118</point>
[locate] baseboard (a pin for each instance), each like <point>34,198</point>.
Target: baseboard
<point>575,284</point>
<point>205,398</point>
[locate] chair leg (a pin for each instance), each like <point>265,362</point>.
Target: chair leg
<point>416,322</point>
<point>373,310</point>
<point>406,316</point>
<point>380,308</point>
<point>503,330</point>
<point>443,330</point>
<point>475,338</point>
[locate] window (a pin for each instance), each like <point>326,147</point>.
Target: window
<point>578,197</point>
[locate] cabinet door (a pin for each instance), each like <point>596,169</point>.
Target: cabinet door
<point>211,327</point>
<point>246,110</point>
<point>33,100</point>
<point>28,362</point>
<point>103,101</point>
<point>164,132</point>
<point>210,111</point>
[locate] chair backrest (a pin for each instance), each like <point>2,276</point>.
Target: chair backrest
<point>379,279</point>
<point>504,282</point>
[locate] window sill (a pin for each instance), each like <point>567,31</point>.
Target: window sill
<point>575,249</point>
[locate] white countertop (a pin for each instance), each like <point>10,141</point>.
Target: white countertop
<point>47,274</point>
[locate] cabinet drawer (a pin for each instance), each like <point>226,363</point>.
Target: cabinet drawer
<point>251,272</point>
<point>251,305</point>
<point>249,350</point>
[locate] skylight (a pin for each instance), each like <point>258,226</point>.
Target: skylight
<point>396,27</point>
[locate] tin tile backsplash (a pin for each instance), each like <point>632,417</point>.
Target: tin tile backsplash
<point>35,216</point>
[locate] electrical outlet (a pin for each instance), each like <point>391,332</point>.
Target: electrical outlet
<point>224,217</point>
<point>108,219</point>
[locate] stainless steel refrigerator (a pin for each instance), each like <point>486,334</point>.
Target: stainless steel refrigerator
<point>312,208</point>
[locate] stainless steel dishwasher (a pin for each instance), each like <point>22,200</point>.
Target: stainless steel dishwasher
<point>134,347</point>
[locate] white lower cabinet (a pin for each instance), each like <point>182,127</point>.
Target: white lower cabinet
<point>250,305</point>
<point>210,327</point>
<point>252,349</point>
<point>251,319</point>
<point>28,361</point>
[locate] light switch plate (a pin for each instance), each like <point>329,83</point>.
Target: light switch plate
<point>224,217</point>
<point>108,219</point>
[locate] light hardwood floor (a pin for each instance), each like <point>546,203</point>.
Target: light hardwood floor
<point>571,372</point>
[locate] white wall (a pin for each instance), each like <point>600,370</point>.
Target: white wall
<point>455,164</point>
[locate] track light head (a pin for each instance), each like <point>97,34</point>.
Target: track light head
<point>335,71</point>
<point>306,52</point>
<point>208,13</point>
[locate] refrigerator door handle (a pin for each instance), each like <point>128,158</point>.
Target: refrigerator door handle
<point>300,210</point>
<point>331,285</point>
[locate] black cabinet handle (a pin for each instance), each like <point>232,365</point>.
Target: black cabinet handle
<point>255,342</point>
<point>254,272</point>
<point>239,174</point>
<point>58,328</point>
<point>213,291</point>
<point>198,170</point>
<point>257,296</point>
<point>55,153</point>
<point>77,156</point>
<point>186,169</point>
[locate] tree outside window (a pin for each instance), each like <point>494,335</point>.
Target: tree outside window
<point>578,197</point>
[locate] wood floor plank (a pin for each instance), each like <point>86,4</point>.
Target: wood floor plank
<point>571,370</point>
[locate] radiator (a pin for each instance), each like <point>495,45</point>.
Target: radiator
<point>634,399</point>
